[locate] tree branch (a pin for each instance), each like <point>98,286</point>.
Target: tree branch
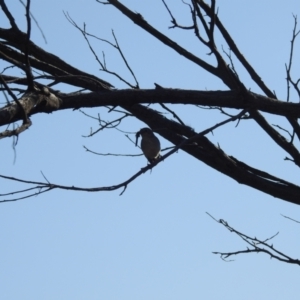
<point>256,246</point>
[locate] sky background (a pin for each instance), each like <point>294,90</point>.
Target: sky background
<point>156,240</point>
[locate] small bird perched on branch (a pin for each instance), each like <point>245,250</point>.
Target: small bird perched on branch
<point>150,144</point>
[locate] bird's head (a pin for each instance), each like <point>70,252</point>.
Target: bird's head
<point>144,132</point>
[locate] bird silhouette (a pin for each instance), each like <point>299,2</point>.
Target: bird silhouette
<point>150,144</point>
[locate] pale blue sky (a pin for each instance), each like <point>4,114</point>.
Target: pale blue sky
<point>155,241</point>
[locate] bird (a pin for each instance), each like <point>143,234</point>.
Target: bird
<point>150,144</point>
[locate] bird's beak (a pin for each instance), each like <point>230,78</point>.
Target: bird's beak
<point>137,137</point>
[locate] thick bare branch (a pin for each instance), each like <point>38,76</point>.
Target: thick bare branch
<point>47,62</point>
<point>214,156</point>
<point>225,99</point>
<point>8,15</point>
<point>256,78</point>
<point>140,21</point>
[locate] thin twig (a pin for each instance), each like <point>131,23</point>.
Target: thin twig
<point>28,67</point>
<point>125,60</point>
<point>290,218</point>
<point>257,245</point>
<point>103,64</point>
<point>111,154</point>
<point>174,22</point>
<point>289,66</point>
<point>36,23</point>
<point>9,15</point>
<point>173,113</point>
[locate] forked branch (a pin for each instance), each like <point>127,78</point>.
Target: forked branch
<point>255,245</point>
